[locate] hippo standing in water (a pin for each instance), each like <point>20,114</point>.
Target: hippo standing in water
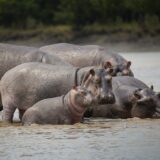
<point>68,109</point>
<point>13,55</point>
<point>90,55</point>
<point>133,99</point>
<point>29,83</point>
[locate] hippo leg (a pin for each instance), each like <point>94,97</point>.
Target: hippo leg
<point>21,113</point>
<point>8,110</point>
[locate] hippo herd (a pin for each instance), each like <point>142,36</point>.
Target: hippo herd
<point>62,83</point>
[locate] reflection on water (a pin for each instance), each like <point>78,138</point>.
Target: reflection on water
<point>96,139</point>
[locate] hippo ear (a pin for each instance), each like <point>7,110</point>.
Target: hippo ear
<point>107,65</point>
<point>151,87</point>
<point>128,64</point>
<point>86,76</point>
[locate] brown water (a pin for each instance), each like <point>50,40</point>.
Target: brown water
<point>96,139</point>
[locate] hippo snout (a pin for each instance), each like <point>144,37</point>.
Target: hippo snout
<point>107,98</point>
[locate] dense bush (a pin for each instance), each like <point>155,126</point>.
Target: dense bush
<point>31,13</point>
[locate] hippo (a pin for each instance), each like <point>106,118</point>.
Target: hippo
<point>90,55</point>
<point>13,55</point>
<point>28,83</point>
<point>133,99</point>
<point>67,109</point>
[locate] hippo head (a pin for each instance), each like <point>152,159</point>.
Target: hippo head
<point>146,103</point>
<point>99,82</point>
<point>119,69</point>
<point>77,100</point>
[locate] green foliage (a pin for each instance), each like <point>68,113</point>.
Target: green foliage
<point>78,13</point>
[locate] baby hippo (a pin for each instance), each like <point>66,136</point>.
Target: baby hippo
<point>67,109</point>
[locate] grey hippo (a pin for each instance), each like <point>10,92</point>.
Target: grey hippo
<point>90,55</point>
<point>28,83</point>
<point>13,55</point>
<point>67,109</point>
<point>133,99</point>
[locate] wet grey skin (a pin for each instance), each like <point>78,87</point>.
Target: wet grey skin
<point>67,109</point>
<point>13,55</point>
<point>28,83</point>
<point>133,99</point>
<point>90,55</point>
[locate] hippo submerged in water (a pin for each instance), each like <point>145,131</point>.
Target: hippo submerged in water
<point>89,55</point>
<point>68,109</point>
<point>133,99</point>
<point>13,55</point>
<point>28,83</point>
